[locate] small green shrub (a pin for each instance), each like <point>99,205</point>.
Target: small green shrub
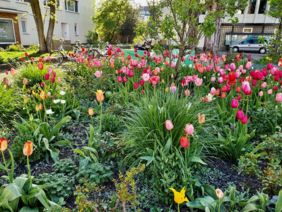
<point>15,48</point>
<point>8,104</point>
<point>110,123</point>
<point>32,73</point>
<point>57,186</point>
<point>93,172</point>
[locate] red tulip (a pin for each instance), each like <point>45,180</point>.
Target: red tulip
<point>184,142</point>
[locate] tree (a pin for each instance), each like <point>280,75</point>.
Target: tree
<point>110,17</point>
<point>180,22</point>
<point>45,42</point>
<point>219,10</point>
<point>127,30</point>
<point>275,47</point>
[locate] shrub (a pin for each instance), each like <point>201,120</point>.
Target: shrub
<point>146,139</point>
<point>8,104</point>
<point>33,74</point>
<point>15,48</point>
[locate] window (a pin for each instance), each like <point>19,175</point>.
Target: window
<point>7,33</point>
<point>76,30</point>
<point>247,30</point>
<point>262,6</point>
<point>71,5</point>
<point>252,6</point>
<point>23,23</point>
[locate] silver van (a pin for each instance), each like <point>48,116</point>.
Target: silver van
<point>252,44</point>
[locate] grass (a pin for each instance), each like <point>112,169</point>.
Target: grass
<point>14,54</point>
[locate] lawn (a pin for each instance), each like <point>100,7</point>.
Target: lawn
<point>138,133</point>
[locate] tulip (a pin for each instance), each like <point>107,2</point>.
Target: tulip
<point>189,129</point>
<point>219,193</point>
<point>169,125</point>
<point>184,142</point>
<point>187,92</point>
<point>90,111</point>
<point>3,144</point>
<point>260,93</point>
<point>278,97</point>
<point>248,65</point>
<point>240,114</point>
<point>201,118</point>
<point>43,95</point>
<point>244,120</point>
<point>28,148</point>
<point>179,197</point>
<point>98,74</point>
<point>234,103</point>
<point>100,96</point>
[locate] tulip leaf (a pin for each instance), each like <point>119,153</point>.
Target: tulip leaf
<point>149,159</point>
<point>196,159</point>
<point>27,209</point>
<point>278,206</point>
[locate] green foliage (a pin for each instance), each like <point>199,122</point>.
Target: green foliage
<point>8,104</point>
<point>92,37</point>
<point>111,123</point>
<point>21,196</point>
<point>44,135</point>
<point>32,73</point>
<point>269,153</point>
<point>57,186</point>
<point>15,48</point>
<point>126,186</point>
<point>146,139</point>
<point>232,201</point>
<point>110,17</point>
<point>93,172</point>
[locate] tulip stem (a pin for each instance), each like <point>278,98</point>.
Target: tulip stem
<point>28,169</point>
<point>101,105</point>
<point>178,208</point>
<point>4,161</point>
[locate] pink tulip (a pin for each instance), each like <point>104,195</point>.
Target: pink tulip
<point>189,129</point>
<point>240,114</point>
<point>269,91</point>
<point>198,82</point>
<point>98,74</point>
<point>264,84</point>
<point>278,97</point>
<point>246,88</point>
<point>248,65</point>
<point>169,125</point>
<point>260,93</point>
<point>244,120</point>
<point>234,103</point>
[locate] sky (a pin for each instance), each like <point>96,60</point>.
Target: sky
<point>140,2</point>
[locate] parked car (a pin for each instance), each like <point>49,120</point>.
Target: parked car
<point>253,44</point>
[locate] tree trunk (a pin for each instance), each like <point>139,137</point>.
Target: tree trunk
<point>181,54</point>
<point>215,45</point>
<point>35,7</point>
<point>49,38</point>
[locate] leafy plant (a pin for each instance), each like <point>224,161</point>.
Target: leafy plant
<point>45,136</point>
<point>57,186</point>
<point>8,104</point>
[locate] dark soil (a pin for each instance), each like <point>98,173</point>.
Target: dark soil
<point>229,174</point>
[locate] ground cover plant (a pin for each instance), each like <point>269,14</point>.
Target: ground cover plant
<point>123,133</point>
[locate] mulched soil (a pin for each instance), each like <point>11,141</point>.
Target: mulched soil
<point>230,174</point>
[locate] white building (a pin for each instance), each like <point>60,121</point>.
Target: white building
<point>73,21</point>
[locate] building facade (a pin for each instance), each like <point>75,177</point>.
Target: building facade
<point>73,21</point>
<point>251,21</point>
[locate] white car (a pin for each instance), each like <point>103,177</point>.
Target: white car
<point>252,44</point>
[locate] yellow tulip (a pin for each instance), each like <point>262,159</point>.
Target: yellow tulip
<point>179,197</point>
<point>100,96</point>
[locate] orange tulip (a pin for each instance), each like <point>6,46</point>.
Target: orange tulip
<point>43,95</point>
<point>38,107</point>
<point>100,96</point>
<point>201,118</point>
<point>28,148</point>
<point>3,144</point>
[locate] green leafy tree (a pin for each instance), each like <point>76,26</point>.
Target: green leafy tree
<point>110,17</point>
<point>218,10</point>
<point>275,46</point>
